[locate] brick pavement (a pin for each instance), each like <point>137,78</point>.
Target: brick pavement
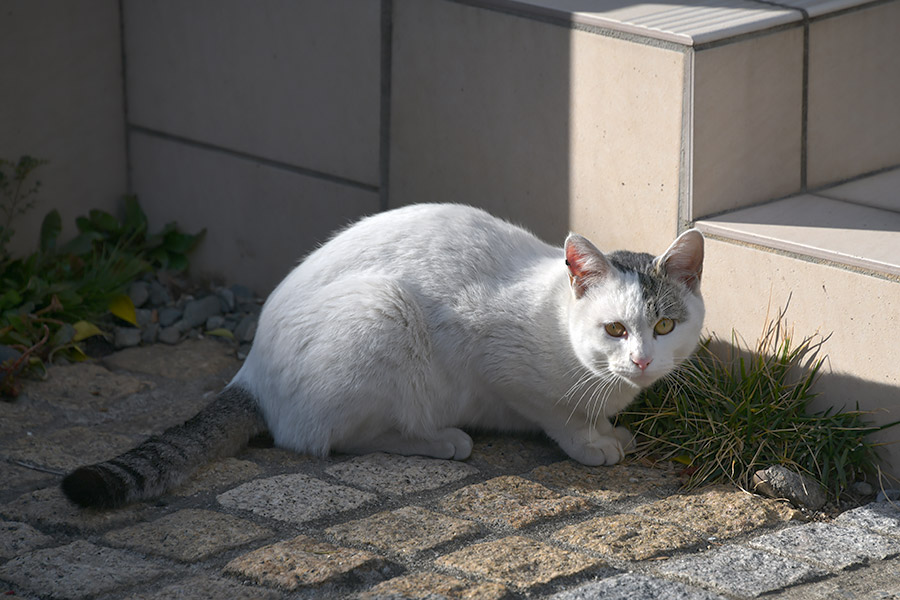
<point>517,520</point>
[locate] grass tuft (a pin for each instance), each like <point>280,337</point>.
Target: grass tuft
<point>731,410</point>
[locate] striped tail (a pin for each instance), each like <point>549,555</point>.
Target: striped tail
<point>221,429</point>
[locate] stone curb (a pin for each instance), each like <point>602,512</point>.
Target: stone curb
<point>516,520</point>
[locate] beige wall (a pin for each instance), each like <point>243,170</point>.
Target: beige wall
<point>61,99</point>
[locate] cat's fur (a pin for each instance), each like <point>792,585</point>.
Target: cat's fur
<point>416,322</point>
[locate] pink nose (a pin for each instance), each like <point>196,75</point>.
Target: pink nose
<point>643,363</point>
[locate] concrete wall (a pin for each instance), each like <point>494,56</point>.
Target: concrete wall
<point>61,99</point>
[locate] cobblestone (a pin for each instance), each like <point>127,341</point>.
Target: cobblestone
<point>627,536</point>
<point>78,570</point>
<point>606,484</point>
<point>719,512</point>
<point>217,475</point>
<point>434,586</point>
<point>519,562</point>
<point>511,501</point>
<point>399,475</point>
<point>740,571</point>
<point>208,588</point>
<point>48,507</point>
<point>882,517</point>
<point>408,530</point>
<point>303,562</point>
<point>188,535</point>
<point>296,498</point>
<point>634,586</point>
<point>66,449</point>
<point>17,538</point>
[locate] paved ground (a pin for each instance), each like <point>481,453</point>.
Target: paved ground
<point>515,520</point>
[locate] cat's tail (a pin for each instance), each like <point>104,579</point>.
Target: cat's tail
<point>221,429</point>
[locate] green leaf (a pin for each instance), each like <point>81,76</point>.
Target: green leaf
<point>135,219</point>
<point>63,335</point>
<point>84,330</point>
<point>177,262</point>
<point>104,221</point>
<point>122,307</point>
<point>50,229</point>
<point>221,332</point>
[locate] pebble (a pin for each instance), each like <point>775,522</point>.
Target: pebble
<point>159,295</point>
<point>780,482</point>
<point>246,329</point>
<point>126,337</point>
<point>139,292</point>
<point>215,322</point>
<point>170,335</point>
<point>168,315</point>
<point>196,312</point>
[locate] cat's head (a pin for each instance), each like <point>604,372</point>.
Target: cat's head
<point>634,315</point>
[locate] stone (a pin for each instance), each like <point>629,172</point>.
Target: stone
<point>226,298</point>
<point>188,361</point>
<point>217,475</point>
<point>159,295</point>
<point>246,329</point>
<point>126,337</point>
<point>635,586</point>
<point>169,316</point>
<point>303,562</point>
<point>196,312</point>
<point>834,547</point>
<point>780,482</point>
<point>143,316</point>
<point>607,484</point>
<point>719,512</point>
<point>18,479</point>
<point>740,571</point>
<point>170,335</point>
<point>519,562</point>
<point>891,495</point>
<point>881,517</point>
<point>205,587</point>
<point>399,475</point>
<point>242,293</point>
<point>188,535</point>
<point>510,501</point>
<point>407,531</point>
<point>78,570</point>
<point>18,538</point>
<point>150,333</point>
<point>214,322</point>
<point>48,507</point>
<point>295,498</point>
<point>66,449</point>
<point>85,386</point>
<point>139,292</point>
<point>627,537</point>
<point>433,586</point>
<point>511,453</point>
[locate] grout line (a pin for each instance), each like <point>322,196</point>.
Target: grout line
<point>384,159</point>
<point>275,164</point>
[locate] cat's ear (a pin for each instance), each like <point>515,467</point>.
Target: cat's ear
<point>586,264</point>
<point>683,261</point>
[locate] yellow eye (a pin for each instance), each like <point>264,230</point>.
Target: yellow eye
<point>664,326</point>
<point>616,330</point>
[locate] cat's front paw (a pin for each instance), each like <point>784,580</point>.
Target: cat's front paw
<point>601,450</point>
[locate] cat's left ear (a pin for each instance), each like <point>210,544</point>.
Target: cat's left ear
<point>586,264</point>
<point>683,261</point>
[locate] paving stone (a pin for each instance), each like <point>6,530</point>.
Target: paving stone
<point>188,535</point>
<point>16,479</point>
<point>205,587</point>
<point>719,512</point>
<point>740,571</point>
<point>834,547</point>
<point>607,484</point>
<point>217,475</point>
<point>303,562</point>
<point>399,475</point>
<point>878,581</point>
<point>192,359</point>
<point>278,457</point>
<point>78,570</point>
<point>627,537</point>
<point>295,498</point>
<point>519,562</point>
<point>85,386</point>
<point>67,449</point>
<point>407,531</point>
<point>882,517</point>
<point>48,507</point>
<point>23,416</point>
<point>17,538</point>
<point>635,586</point>
<point>433,586</point>
<point>510,453</point>
<point>511,501</point>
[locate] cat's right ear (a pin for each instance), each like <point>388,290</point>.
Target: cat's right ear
<point>586,264</point>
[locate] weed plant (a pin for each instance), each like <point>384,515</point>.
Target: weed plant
<point>730,411</point>
<point>51,299</point>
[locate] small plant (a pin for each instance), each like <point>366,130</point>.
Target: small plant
<point>725,417</point>
<point>51,299</point>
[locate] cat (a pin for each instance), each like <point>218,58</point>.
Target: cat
<point>417,322</point>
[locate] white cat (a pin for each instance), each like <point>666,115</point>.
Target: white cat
<point>416,323</point>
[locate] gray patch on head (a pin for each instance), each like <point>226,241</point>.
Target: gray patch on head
<point>663,296</point>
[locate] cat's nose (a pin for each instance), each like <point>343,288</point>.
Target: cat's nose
<point>642,363</point>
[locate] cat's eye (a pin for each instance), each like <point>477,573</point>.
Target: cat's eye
<point>616,329</point>
<point>664,326</point>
